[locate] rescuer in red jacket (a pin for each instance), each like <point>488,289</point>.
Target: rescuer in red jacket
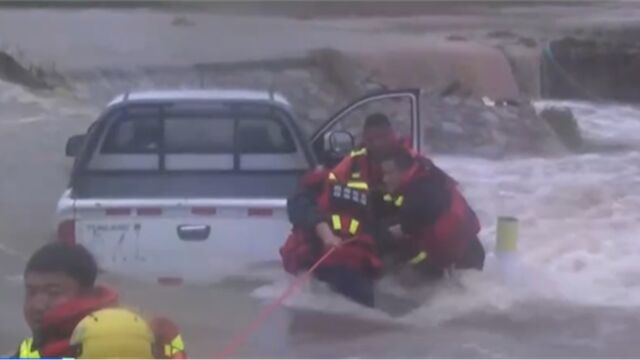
<point>60,291</point>
<point>341,222</point>
<point>309,211</point>
<point>436,227</point>
<point>360,168</point>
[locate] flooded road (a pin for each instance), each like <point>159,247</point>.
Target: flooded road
<point>576,292</point>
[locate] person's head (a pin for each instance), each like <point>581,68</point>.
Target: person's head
<point>113,333</point>
<point>378,135</point>
<point>54,274</point>
<point>394,167</point>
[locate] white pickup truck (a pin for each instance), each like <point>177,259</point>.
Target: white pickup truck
<point>191,185</point>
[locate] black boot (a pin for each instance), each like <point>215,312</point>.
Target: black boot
<point>473,258</point>
<point>348,282</point>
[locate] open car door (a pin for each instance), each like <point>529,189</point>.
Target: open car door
<point>402,107</point>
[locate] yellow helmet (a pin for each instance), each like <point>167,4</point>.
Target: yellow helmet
<point>113,333</point>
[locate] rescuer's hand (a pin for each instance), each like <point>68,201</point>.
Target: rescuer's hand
<point>324,232</point>
<point>332,241</point>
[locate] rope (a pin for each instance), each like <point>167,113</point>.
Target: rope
<point>238,340</point>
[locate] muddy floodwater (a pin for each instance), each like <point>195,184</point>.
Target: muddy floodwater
<point>574,290</point>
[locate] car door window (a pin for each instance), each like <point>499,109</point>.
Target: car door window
<point>398,110</point>
<point>401,107</point>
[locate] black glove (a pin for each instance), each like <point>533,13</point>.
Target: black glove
<point>302,210</point>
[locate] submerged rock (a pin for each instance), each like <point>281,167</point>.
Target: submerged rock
<point>564,124</point>
<point>12,71</point>
<point>472,128</point>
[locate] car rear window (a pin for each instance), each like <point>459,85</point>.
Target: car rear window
<point>198,135</point>
<point>139,135</point>
<point>257,136</point>
<point>151,139</point>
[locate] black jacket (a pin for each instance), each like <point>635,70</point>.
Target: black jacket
<point>426,197</point>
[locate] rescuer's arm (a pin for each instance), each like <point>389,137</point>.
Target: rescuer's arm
<point>303,211</point>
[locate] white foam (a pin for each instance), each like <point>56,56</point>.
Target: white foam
<point>580,220</point>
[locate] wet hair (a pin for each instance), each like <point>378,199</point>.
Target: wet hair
<point>401,158</point>
<point>74,261</point>
<point>377,120</point>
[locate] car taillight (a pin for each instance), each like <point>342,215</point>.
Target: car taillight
<point>67,232</point>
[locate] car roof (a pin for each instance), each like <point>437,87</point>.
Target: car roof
<point>202,95</point>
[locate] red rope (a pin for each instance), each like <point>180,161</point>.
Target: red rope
<point>243,336</point>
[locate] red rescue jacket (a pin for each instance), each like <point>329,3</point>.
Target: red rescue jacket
<point>348,219</point>
<point>434,215</point>
<point>302,248</point>
<point>59,323</point>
